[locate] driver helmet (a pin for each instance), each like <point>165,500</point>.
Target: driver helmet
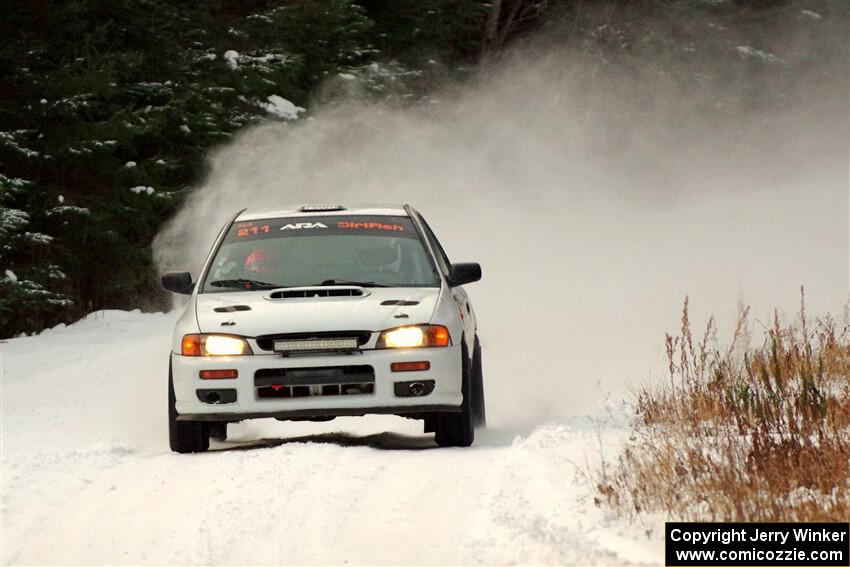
<point>260,261</point>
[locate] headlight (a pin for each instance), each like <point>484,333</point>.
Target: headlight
<point>214,345</point>
<point>414,336</point>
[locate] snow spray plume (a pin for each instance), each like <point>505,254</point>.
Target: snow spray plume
<point>596,192</point>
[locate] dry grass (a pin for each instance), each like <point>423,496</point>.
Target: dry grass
<point>745,434</point>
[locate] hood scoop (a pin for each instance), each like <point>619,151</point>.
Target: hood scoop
<point>316,292</point>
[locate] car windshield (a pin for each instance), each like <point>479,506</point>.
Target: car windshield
<point>323,250</point>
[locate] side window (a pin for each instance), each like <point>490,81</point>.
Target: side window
<point>442,258</point>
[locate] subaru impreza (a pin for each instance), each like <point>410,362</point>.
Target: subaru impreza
<point>315,312</point>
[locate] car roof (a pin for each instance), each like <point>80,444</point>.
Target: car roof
<point>322,210</point>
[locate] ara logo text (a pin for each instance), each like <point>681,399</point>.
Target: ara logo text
<point>300,225</point>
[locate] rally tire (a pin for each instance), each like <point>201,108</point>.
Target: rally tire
<point>456,429</point>
<point>184,436</point>
<point>479,412</point>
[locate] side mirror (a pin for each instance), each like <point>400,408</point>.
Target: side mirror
<point>178,282</point>
<point>460,274</point>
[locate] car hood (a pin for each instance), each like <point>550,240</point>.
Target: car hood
<point>254,313</point>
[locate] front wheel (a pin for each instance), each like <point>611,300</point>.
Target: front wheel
<point>457,429</point>
<point>184,436</point>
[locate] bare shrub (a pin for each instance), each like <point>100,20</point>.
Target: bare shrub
<point>743,434</point>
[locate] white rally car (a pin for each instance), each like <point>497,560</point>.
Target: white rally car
<point>324,311</point>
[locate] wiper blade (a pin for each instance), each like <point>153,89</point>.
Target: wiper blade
<point>352,282</point>
<point>245,284</point>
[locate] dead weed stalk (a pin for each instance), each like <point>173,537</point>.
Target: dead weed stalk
<point>743,434</point>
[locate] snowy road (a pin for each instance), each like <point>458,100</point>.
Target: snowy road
<point>87,476</point>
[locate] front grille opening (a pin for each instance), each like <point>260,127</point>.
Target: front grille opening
<point>275,392</point>
<point>266,342</point>
<point>276,383</point>
<point>278,391</point>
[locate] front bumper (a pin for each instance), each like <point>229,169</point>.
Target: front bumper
<point>445,370</point>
